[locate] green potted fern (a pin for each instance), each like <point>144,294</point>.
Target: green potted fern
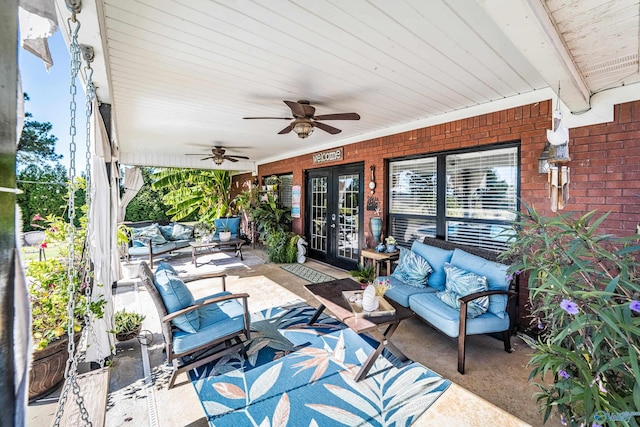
<point>127,325</point>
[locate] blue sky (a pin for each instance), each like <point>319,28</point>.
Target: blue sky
<point>49,94</point>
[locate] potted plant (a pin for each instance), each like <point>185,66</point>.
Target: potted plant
<point>271,217</point>
<point>585,309</point>
<point>225,232</point>
<point>50,290</point>
<point>391,244</point>
<point>127,325</point>
<point>272,182</point>
<point>125,235</point>
<point>364,274</point>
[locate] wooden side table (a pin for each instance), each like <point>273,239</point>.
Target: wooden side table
<point>379,258</point>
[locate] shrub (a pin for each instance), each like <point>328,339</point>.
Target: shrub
<point>584,294</point>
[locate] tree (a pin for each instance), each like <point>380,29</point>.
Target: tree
<point>195,194</point>
<point>147,205</point>
<point>43,192</point>
<point>36,144</point>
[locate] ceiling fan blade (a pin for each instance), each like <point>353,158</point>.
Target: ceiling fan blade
<point>274,118</point>
<point>195,154</point>
<point>296,109</point>
<point>230,158</point>
<point>338,116</point>
<point>327,128</point>
<point>286,130</point>
<point>237,157</point>
<point>207,158</point>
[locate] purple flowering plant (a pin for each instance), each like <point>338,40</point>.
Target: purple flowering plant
<point>584,294</point>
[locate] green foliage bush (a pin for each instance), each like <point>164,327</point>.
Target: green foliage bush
<point>281,247</point>
<point>584,294</point>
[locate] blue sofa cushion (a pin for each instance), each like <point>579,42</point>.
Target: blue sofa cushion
<point>152,231</point>
<point>412,269</point>
<point>216,321</point>
<point>232,223</point>
<point>436,257</point>
<point>447,319</point>
<point>461,283</point>
<point>176,296</point>
<point>400,292</point>
<point>496,274</point>
<point>156,249</point>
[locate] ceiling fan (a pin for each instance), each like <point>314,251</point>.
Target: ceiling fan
<point>219,157</point>
<point>304,119</point>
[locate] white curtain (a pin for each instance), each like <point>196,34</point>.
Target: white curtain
<point>132,183</point>
<point>102,238</point>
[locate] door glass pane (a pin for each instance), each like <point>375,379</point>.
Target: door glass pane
<point>348,206</point>
<point>318,214</point>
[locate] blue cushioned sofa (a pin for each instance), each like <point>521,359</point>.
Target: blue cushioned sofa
<point>152,239</point>
<point>426,302</point>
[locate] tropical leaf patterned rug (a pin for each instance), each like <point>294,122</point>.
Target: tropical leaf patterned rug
<point>300,375</point>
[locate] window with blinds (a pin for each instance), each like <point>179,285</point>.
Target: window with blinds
<point>286,184</point>
<point>470,198</point>
<point>413,187</point>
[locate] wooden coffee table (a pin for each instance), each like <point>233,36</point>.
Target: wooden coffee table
<point>198,248</point>
<point>329,294</point>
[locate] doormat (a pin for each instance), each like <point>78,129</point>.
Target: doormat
<point>297,374</point>
<point>307,273</point>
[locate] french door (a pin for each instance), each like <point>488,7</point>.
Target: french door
<point>334,216</point>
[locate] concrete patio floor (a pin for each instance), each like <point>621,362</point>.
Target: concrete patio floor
<point>494,390</point>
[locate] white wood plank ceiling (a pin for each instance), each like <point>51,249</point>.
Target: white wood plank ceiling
<point>182,74</point>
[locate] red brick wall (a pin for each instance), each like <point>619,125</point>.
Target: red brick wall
<point>605,165</point>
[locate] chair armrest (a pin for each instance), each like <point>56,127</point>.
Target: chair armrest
<point>204,303</point>
<point>465,299</point>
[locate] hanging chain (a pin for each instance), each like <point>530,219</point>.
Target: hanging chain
<point>72,363</point>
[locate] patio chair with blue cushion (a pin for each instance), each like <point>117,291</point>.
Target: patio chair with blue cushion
<point>199,331</point>
<point>232,223</point>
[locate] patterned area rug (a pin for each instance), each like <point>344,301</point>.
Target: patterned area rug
<point>309,274</point>
<point>300,375</point>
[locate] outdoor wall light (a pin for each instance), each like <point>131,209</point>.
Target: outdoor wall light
<point>303,128</point>
<point>543,160</point>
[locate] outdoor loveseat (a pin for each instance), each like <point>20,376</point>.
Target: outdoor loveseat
<point>155,239</point>
<point>459,290</point>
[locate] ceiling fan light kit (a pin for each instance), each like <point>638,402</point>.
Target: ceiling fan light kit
<point>303,128</point>
<point>305,120</point>
<point>218,156</point>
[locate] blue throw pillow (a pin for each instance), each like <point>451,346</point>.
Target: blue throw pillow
<point>181,232</point>
<point>152,232</point>
<point>436,257</point>
<point>495,272</point>
<point>461,283</point>
<point>176,296</point>
<point>412,269</point>
<point>166,231</point>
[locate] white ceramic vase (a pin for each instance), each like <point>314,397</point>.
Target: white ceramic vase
<point>370,301</point>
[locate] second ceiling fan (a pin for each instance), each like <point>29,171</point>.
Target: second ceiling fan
<point>304,119</point>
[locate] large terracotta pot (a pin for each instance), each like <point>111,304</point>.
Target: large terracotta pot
<point>47,368</point>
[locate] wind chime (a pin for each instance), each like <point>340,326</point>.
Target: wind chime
<point>558,174</point>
